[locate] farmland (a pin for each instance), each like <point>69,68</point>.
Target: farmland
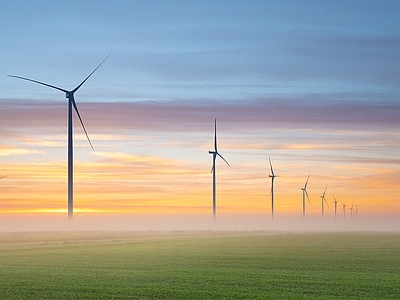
<point>199,265</point>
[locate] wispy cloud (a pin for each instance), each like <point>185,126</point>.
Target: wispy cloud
<point>130,158</point>
<point>6,151</point>
<point>155,154</point>
<point>108,117</point>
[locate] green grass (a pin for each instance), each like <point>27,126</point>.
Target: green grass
<point>211,265</point>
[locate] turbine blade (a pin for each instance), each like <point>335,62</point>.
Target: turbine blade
<point>323,195</point>
<point>305,186</point>
<point>307,196</point>
<point>77,88</point>
<point>223,159</point>
<point>39,82</point>
<point>80,119</point>
<point>272,185</point>
<point>213,166</point>
<point>270,164</point>
<point>3,177</point>
<point>326,202</point>
<point>215,135</point>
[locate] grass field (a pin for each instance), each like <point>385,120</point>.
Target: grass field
<point>199,265</point>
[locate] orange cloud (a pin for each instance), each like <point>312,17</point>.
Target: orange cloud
<point>172,172</point>
<point>17,151</point>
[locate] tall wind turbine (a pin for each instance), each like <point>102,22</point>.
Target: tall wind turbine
<point>323,199</point>
<point>304,189</point>
<point>272,187</point>
<point>71,106</point>
<point>356,212</point>
<point>215,153</point>
<point>335,202</point>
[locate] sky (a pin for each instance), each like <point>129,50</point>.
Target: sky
<point>314,85</point>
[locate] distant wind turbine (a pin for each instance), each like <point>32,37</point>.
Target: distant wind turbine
<point>272,187</point>
<point>304,189</point>
<point>323,199</point>
<point>356,212</point>
<point>215,153</point>
<point>71,105</point>
<point>335,202</point>
<point>344,210</point>
<point>351,211</point>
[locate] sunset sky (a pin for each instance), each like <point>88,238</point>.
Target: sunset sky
<point>315,85</point>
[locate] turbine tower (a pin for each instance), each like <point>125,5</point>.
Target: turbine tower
<point>335,202</point>
<point>272,187</point>
<point>304,189</point>
<point>215,153</point>
<point>356,212</point>
<point>323,199</point>
<point>71,106</point>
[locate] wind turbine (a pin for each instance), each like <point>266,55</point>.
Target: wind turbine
<point>323,199</point>
<point>335,202</point>
<point>356,212</point>
<point>272,187</point>
<point>351,211</point>
<point>71,106</point>
<point>215,153</point>
<point>304,189</point>
<point>344,210</point>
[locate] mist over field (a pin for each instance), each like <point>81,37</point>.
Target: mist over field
<point>162,185</point>
<point>192,222</point>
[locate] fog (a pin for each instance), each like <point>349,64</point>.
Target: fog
<point>188,222</point>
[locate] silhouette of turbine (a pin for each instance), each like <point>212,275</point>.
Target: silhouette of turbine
<point>323,199</point>
<point>215,153</point>
<point>71,105</point>
<point>272,187</point>
<point>335,203</point>
<point>304,189</point>
<point>351,211</point>
<point>344,210</point>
